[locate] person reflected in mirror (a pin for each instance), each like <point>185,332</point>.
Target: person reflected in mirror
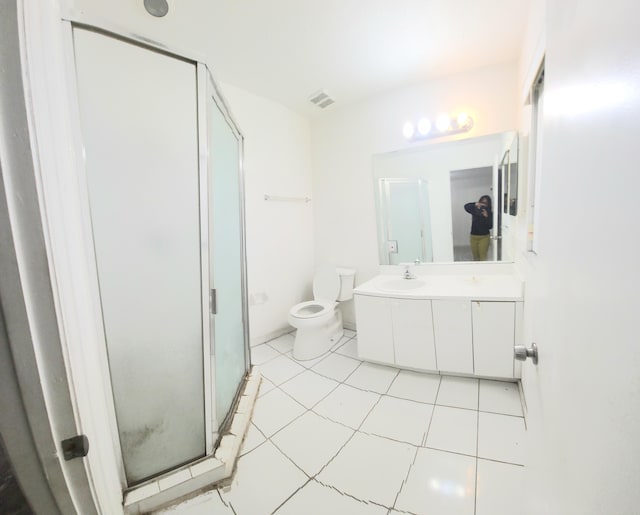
<point>481,225</point>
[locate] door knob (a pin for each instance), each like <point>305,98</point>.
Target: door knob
<point>521,353</point>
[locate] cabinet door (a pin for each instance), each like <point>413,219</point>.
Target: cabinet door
<point>493,338</point>
<point>413,333</point>
<point>373,320</point>
<point>452,330</point>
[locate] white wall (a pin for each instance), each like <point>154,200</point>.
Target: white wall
<point>345,139</point>
<point>279,234</point>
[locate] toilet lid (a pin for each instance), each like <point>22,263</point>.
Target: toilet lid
<point>326,284</point>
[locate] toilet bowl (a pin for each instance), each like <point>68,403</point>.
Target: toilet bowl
<point>319,321</point>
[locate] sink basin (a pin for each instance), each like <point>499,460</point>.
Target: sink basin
<point>399,284</point>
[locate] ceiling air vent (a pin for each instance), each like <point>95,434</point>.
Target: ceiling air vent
<point>321,99</point>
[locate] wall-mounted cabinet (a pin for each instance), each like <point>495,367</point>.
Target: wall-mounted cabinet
<point>458,336</point>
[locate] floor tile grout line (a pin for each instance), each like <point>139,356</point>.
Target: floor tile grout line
<point>289,498</point>
<point>335,455</point>
<point>240,455</point>
<point>472,409</point>
<point>433,412</point>
<point>286,380</point>
<point>350,438</point>
<point>306,370</point>
<point>410,400</point>
<point>392,381</point>
<point>471,456</point>
<point>416,445</point>
<point>351,496</point>
<point>493,460</point>
<point>228,505</point>
<point>289,458</point>
<point>317,402</point>
<point>406,478</point>
<point>448,451</point>
<point>294,419</point>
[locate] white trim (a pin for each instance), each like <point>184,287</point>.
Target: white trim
<point>211,425</point>
<point>80,18</point>
<point>67,236</point>
<point>537,57</point>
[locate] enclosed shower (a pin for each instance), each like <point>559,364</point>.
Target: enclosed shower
<point>163,179</point>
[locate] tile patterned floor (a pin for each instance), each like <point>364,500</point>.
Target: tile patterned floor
<point>340,436</point>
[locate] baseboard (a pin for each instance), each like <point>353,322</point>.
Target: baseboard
<point>258,340</point>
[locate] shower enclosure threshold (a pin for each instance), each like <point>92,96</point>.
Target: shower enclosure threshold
<point>204,473</point>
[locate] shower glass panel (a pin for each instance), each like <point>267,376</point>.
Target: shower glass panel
<point>138,112</point>
<point>226,261</point>
<point>406,218</point>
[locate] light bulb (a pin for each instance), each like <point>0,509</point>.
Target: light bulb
<point>443,122</point>
<point>424,126</point>
<point>463,119</point>
<point>408,130</point>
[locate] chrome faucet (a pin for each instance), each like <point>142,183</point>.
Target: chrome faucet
<point>407,273</point>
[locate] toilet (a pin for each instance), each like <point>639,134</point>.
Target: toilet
<point>319,321</point>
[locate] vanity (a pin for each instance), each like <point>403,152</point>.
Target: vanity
<point>450,324</point>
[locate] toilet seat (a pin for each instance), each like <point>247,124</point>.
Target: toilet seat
<point>312,309</point>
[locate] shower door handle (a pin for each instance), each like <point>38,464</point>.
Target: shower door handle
<point>213,301</point>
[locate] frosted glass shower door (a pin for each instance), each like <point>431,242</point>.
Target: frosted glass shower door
<point>226,260</point>
<point>138,110</point>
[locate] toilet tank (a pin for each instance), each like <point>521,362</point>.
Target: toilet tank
<point>347,276</point>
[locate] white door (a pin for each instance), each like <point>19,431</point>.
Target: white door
<point>582,287</point>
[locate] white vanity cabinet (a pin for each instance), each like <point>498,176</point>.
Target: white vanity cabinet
<point>448,335</point>
<point>396,331</point>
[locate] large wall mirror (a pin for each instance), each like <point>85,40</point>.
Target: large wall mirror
<point>421,195</point>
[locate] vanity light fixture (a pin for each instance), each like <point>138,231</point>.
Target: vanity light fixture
<point>408,130</point>
<point>424,127</point>
<point>445,125</point>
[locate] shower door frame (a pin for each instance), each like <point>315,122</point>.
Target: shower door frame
<point>47,51</point>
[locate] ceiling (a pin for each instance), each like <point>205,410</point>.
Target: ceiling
<point>286,50</point>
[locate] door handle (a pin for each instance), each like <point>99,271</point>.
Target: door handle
<point>521,353</point>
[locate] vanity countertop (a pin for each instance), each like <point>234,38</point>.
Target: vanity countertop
<point>472,287</point>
